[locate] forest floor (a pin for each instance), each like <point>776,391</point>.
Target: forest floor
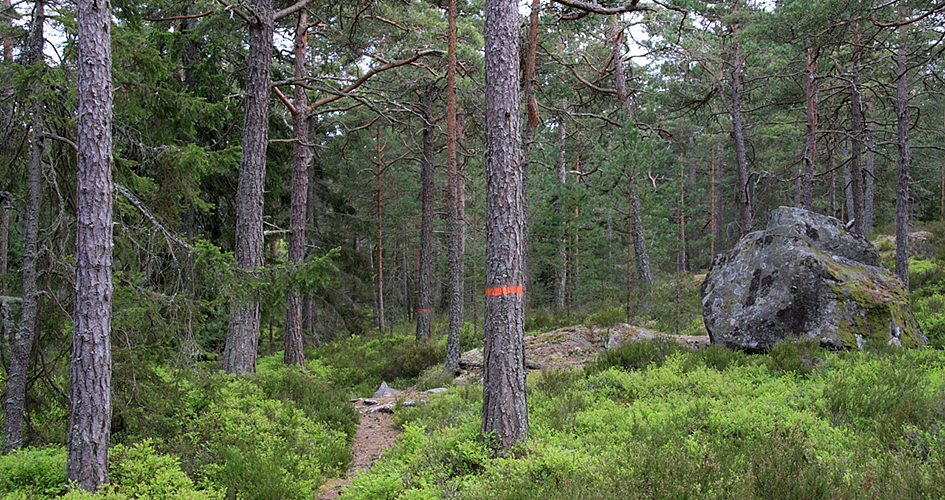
<point>559,349</point>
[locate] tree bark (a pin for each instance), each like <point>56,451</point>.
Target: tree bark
<point>298,206</point>
<point>91,370</point>
<point>856,148</point>
<point>504,405</point>
<point>425,282</point>
<point>379,280</point>
<point>738,134</point>
<point>4,238</point>
<point>561,267</point>
<point>531,104</point>
<point>869,195</point>
<point>810,148</point>
<point>455,202</point>
<point>21,339</point>
<point>643,277</point>
<point>902,191</point>
<point>239,355</point>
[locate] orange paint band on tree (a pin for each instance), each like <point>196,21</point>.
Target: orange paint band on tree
<point>504,290</point>
<point>423,310</point>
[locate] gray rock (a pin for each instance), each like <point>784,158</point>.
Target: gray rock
<point>805,276</point>
<point>383,391</point>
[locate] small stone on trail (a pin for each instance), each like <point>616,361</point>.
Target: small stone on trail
<point>383,391</point>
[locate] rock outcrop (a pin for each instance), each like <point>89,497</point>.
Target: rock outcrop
<point>805,276</point>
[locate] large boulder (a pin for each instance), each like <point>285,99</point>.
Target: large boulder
<point>805,276</point>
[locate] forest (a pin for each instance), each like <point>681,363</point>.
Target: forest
<point>219,222</point>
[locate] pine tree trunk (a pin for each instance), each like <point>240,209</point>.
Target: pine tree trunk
<point>455,205</point>
<point>561,266</point>
<point>4,239</point>
<point>738,134</point>
<point>379,280</point>
<point>239,355</point>
<point>91,370</point>
<point>856,148</point>
<point>869,195</point>
<point>504,406</point>
<point>643,277</point>
<point>21,339</point>
<point>713,216</point>
<point>424,314</point>
<point>810,148</point>
<point>298,209</point>
<point>902,191</point>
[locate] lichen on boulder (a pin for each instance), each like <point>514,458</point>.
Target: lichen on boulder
<point>805,276</point>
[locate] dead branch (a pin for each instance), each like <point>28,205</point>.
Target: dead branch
<point>177,18</point>
<point>360,81</point>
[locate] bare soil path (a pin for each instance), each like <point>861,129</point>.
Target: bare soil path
<point>376,434</point>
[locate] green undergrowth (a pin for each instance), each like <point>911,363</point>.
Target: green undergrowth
<point>670,422</point>
<point>361,363</point>
<point>207,435</point>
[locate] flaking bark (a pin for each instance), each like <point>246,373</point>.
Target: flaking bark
<point>504,406</point>
<point>91,369</point>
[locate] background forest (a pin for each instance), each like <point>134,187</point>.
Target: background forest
<point>654,139</point>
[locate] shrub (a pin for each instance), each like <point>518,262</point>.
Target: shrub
<point>258,447</point>
<point>138,471</point>
<point>880,394</point>
<point>800,356</point>
<point>33,473</point>
<point>362,364</point>
<point>719,357</point>
<point>542,320</point>
<point>605,318</point>
<point>317,398</point>
<point>930,313</point>
<point>635,355</point>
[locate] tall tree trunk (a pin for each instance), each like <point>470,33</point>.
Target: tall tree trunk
<point>455,203</point>
<point>713,226</point>
<point>561,266</point>
<point>5,324</point>
<point>738,134</point>
<point>810,148</point>
<point>21,340</point>
<point>424,315</point>
<point>643,277</point>
<point>309,311</point>
<point>504,405</point>
<point>239,355</point>
<point>4,238</point>
<point>683,262</point>
<point>531,104</point>
<point>831,144</point>
<point>90,405</point>
<point>902,190</point>
<point>856,148</point>
<point>292,337</point>
<point>379,280</point>
<point>869,195</point>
